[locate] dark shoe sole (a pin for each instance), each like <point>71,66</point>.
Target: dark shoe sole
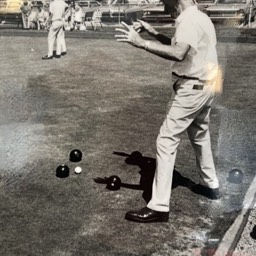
<point>206,192</point>
<point>47,58</point>
<point>155,219</point>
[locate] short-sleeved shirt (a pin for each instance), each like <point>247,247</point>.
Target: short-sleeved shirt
<point>78,14</point>
<point>195,28</point>
<point>33,14</point>
<point>25,9</point>
<point>57,9</point>
<point>42,15</point>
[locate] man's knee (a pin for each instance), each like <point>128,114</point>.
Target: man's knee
<point>167,144</point>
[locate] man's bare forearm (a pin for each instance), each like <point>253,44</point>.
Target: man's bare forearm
<point>168,52</point>
<point>162,47</point>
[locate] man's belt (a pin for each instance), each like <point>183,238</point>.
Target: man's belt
<point>198,87</point>
<point>195,86</point>
<point>185,77</point>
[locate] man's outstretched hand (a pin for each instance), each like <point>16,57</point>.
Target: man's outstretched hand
<point>130,35</point>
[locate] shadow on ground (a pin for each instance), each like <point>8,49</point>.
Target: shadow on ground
<point>147,167</point>
<point>100,98</point>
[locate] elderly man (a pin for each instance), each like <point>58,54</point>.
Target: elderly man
<point>78,17</point>
<point>25,12</point>
<point>193,57</point>
<point>56,31</point>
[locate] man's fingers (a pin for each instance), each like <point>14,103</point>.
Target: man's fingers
<point>123,40</point>
<point>137,26</point>
<point>142,22</point>
<point>125,25</point>
<point>122,30</point>
<point>120,36</point>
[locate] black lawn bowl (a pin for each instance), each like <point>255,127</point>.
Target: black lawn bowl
<point>253,233</point>
<point>235,176</point>
<point>75,155</point>
<point>62,171</point>
<point>113,183</point>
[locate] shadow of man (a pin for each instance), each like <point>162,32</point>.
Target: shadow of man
<point>147,167</point>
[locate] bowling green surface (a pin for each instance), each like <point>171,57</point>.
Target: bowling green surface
<point>109,99</point>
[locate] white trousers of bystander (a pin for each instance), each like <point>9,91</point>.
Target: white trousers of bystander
<point>56,33</point>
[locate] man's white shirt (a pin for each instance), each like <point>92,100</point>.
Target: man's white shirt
<point>195,28</point>
<point>57,9</point>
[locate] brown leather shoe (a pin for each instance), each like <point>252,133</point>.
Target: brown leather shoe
<point>146,215</point>
<point>211,193</point>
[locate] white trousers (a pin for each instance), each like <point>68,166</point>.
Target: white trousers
<point>25,20</point>
<point>189,110</point>
<point>56,32</point>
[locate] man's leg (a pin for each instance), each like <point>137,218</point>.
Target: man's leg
<point>199,136</point>
<point>52,35</point>
<point>61,44</point>
<point>24,20</point>
<point>59,41</point>
<point>177,121</point>
<point>51,40</point>
<point>184,108</point>
<point>29,22</point>
<point>168,140</point>
<point>188,104</point>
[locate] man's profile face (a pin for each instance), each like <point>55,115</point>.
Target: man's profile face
<point>172,7</point>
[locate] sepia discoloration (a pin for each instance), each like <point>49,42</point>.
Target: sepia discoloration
<point>49,109</point>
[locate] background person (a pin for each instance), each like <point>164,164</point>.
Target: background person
<point>25,11</point>
<point>42,17</point>
<point>78,17</point>
<point>68,17</point>
<point>193,57</point>
<point>56,32</point>
<point>32,18</point>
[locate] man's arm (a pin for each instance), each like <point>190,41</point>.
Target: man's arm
<point>142,25</point>
<point>175,52</point>
<point>163,39</point>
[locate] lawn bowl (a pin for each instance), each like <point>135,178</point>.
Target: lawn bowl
<point>113,183</point>
<point>253,233</point>
<point>75,155</point>
<point>235,176</point>
<point>62,171</point>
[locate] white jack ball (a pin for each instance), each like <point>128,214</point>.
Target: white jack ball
<point>78,169</point>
